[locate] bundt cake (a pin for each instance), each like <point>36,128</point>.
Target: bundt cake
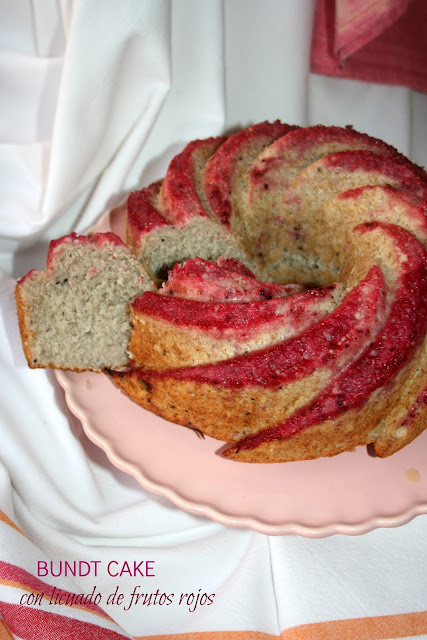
<point>287,316</point>
<point>295,374</point>
<point>75,315</point>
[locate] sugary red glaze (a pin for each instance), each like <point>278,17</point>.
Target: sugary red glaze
<point>323,344</point>
<point>220,169</point>
<point>179,193</point>
<point>381,360</point>
<point>403,173</point>
<point>98,239</point>
<point>142,215</point>
<point>305,141</point>
<point>197,265</point>
<point>226,279</point>
<point>237,319</point>
<point>101,239</point>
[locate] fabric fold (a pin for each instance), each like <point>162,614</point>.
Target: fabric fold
<point>379,41</point>
<point>358,23</point>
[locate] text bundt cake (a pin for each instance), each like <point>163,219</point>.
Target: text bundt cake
<point>75,315</point>
<point>293,322</point>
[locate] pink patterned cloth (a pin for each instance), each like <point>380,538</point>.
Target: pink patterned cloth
<point>383,41</point>
<point>33,609</point>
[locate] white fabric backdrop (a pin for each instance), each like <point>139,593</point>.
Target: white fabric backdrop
<point>96,97</point>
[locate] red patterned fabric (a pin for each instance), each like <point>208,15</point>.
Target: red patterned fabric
<point>383,41</point>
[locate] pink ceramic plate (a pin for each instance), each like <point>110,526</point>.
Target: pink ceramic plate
<point>351,493</point>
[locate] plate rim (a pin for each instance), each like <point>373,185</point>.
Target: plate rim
<point>213,512</point>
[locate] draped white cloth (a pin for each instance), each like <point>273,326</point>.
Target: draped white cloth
<point>96,97</point>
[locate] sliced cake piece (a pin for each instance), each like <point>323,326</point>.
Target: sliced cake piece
<point>181,193</point>
<point>148,233</point>
<point>168,222</point>
<point>75,315</point>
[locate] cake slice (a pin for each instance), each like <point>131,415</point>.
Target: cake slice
<point>168,223</point>
<point>149,234</point>
<point>181,195</point>
<point>75,314</point>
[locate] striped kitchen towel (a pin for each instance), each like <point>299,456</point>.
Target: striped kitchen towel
<point>33,609</point>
